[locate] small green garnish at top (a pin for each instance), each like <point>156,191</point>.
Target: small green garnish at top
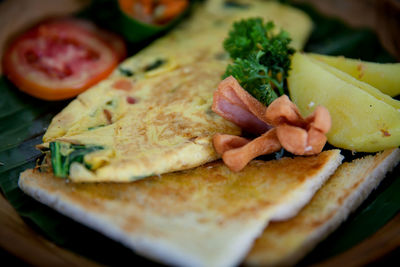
<point>261,58</point>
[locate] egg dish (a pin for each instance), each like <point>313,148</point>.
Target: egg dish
<point>153,114</point>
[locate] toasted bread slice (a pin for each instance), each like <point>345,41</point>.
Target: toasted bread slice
<point>208,216</point>
<point>285,243</point>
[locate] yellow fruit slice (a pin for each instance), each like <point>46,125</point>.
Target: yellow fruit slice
<point>361,85</point>
<point>363,119</point>
<point>385,77</point>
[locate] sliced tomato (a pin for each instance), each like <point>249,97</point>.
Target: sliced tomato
<point>59,59</point>
<point>112,39</point>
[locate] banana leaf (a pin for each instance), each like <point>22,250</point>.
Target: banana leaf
<point>23,121</point>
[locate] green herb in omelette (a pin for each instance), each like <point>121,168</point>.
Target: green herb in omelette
<point>157,63</point>
<point>261,58</point>
<point>63,154</point>
<point>126,72</point>
<point>96,127</point>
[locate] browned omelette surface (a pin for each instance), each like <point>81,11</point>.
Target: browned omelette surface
<point>284,243</point>
<point>206,216</point>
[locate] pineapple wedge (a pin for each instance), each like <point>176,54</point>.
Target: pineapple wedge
<point>385,77</point>
<point>363,118</point>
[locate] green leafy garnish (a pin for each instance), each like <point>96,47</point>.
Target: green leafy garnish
<point>261,58</point>
<point>63,154</point>
<point>254,77</point>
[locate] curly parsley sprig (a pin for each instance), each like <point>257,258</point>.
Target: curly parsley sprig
<point>261,58</point>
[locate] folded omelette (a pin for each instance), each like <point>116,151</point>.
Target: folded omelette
<point>153,114</point>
